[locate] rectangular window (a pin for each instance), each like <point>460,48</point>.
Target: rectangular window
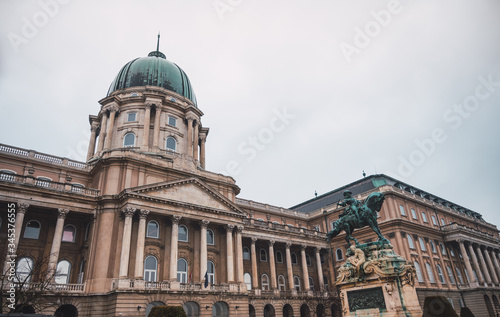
<point>424,217</point>
<point>332,224</point>
<point>132,116</point>
<point>413,213</point>
<point>434,221</point>
<point>172,121</point>
<point>402,209</point>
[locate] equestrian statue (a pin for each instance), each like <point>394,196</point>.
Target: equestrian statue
<point>358,215</point>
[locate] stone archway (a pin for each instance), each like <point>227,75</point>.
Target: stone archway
<point>287,310</point>
<point>336,311</point>
<point>320,310</point>
<point>305,311</point>
<point>251,311</point>
<point>192,309</point>
<point>487,301</point>
<point>220,309</point>
<point>153,304</point>
<point>66,311</point>
<point>269,311</point>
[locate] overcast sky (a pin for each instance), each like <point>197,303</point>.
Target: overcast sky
<point>299,96</point>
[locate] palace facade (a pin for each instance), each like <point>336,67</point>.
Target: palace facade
<point>142,223</point>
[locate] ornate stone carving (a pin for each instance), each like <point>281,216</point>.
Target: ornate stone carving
<point>62,213</point>
<point>176,219</point>
<point>129,211</point>
<point>22,207</point>
<point>112,108</point>
<point>303,247</point>
<point>204,223</point>
<point>229,227</point>
<point>271,243</point>
<point>317,249</point>
<point>143,214</point>
<point>254,240</point>
<point>288,245</point>
<point>240,228</point>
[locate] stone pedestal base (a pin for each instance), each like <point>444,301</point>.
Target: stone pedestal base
<point>375,281</point>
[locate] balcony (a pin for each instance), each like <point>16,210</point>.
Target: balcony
<point>50,185</point>
<point>281,227</point>
<point>125,284</point>
<point>47,288</point>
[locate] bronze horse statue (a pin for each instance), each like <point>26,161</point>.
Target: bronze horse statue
<point>364,215</point>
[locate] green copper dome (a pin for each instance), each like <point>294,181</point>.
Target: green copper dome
<point>154,70</point>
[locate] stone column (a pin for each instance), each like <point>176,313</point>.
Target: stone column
<point>127,234</point>
<point>93,132</point>
<point>102,132</point>
<point>141,238</point>
<point>18,225</point>
<point>239,254</point>
<point>56,243</point>
<point>476,265</point>
<point>495,263</point>
<point>174,247</point>
<point>229,253</point>
<point>203,138</point>
<point>272,265</point>
<point>203,249</point>
<point>483,265</point>
<point>320,269</point>
<point>111,125</point>
<point>494,276</point>
<point>289,270</point>
<point>195,141</point>
<point>190,118</point>
<point>147,126</point>
<point>467,262</point>
<point>255,274</point>
<point>156,129</point>
<point>305,273</point>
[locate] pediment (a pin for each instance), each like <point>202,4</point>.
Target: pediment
<point>191,191</point>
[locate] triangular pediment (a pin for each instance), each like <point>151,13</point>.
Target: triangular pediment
<point>191,191</point>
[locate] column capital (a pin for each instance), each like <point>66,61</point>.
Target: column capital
<point>271,243</point>
<point>190,117</point>
<point>203,137</point>
<point>22,207</point>
<point>129,211</point>
<point>240,228</point>
<point>94,126</point>
<point>303,247</point>
<point>254,240</point>
<point>204,223</point>
<point>176,219</point>
<point>143,213</point>
<point>288,245</point>
<point>317,249</point>
<point>112,108</point>
<point>62,213</point>
<point>229,227</point>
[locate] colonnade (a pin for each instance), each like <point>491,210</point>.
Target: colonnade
<point>196,136</point>
<point>484,261</point>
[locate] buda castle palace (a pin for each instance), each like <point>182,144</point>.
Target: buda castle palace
<point>142,223</point>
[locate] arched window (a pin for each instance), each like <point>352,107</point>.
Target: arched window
<point>7,175</point>
<point>440,274</point>
<point>210,237</point>
<point>450,274</point>
<point>281,283</point>
<point>433,246</point>
<point>279,257</point>
<point>32,230</point>
<point>296,283</point>
<point>265,282</point>
<point>211,272</point>
<point>339,254</point>
<point>182,268</point>
<point>443,249</point>
<point>424,216</point>
<point>153,229</point>
<point>69,233</point>
<point>129,140</point>
<point>311,284</point>
<point>43,181</point>
<point>451,302</point>
<point>246,253</point>
<point>429,272</point>
<point>150,268</point>
<point>183,233</point>
<point>247,279</point>
<point>171,144</point>
<point>459,275</point>
<point>263,255</point>
<point>192,309</point>
<point>422,244</point>
<point>419,272</point>
<point>442,222</point>
<point>410,241</point>
<point>63,271</point>
<point>294,259</point>
<point>413,214</point>
<point>434,221</point>
<point>24,268</point>
<point>308,260</point>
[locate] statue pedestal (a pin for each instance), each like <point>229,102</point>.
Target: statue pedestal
<point>375,281</point>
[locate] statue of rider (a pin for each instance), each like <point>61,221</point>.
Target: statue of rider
<point>350,201</point>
